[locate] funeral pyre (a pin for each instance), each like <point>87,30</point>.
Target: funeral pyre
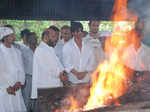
<point>112,79</point>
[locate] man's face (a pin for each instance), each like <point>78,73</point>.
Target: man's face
<point>66,34</point>
<point>10,39</point>
<point>33,40</point>
<point>94,26</point>
<point>53,38</point>
<point>79,33</point>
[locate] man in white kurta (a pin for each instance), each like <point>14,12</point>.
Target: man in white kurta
<point>46,66</point>
<point>138,59</point>
<point>93,39</point>
<point>78,57</point>
<point>27,56</point>
<point>65,37</point>
<point>12,74</point>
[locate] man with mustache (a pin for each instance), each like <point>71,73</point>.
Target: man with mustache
<point>47,69</point>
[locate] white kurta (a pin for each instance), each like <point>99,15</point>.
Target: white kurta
<point>11,71</point>
<point>80,61</point>
<point>58,49</point>
<point>98,51</point>
<point>138,60</point>
<point>46,69</point>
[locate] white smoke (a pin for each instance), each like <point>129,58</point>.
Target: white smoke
<point>142,7</point>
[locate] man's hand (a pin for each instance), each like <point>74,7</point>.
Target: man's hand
<point>64,77</point>
<point>81,75</point>
<point>11,90</point>
<point>17,86</point>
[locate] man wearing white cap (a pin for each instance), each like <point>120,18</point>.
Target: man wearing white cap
<point>12,75</point>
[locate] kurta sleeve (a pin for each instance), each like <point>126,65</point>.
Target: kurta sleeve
<point>21,75</point>
<point>34,77</point>
<point>67,59</point>
<point>4,79</point>
<point>59,64</point>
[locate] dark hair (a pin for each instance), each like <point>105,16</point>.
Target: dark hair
<point>54,28</point>
<point>4,38</point>
<point>9,26</point>
<point>29,35</point>
<point>24,32</point>
<point>75,26</point>
<point>65,27</point>
<point>45,33</point>
<point>139,25</point>
<point>93,19</point>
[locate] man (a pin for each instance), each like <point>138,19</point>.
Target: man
<point>57,43</point>
<point>138,53</point>
<point>24,34</point>
<point>93,40</point>
<point>138,59</point>
<point>78,57</point>
<point>27,49</point>
<point>47,69</point>
<point>65,33</point>
<point>12,75</point>
<point>65,37</point>
<point>32,40</point>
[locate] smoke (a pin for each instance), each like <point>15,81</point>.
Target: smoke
<point>142,8</point>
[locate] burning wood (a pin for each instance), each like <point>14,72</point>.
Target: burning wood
<point>114,78</point>
<point>112,82</point>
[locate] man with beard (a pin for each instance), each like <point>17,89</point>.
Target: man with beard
<point>47,69</point>
<point>12,75</point>
<point>93,40</point>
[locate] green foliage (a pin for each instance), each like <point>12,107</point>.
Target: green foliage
<point>39,26</point>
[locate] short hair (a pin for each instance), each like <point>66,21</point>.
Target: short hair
<point>53,27</point>
<point>9,26</point>
<point>24,32</point>
<point>65,27</point>
<point>45,33</point>
<point>93,19</point>
<point>75,26</point>
<point>30,36</point>
<point>139,25</point>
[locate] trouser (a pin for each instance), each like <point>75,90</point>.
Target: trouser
<point>26,92</point>
<point>35,105</point>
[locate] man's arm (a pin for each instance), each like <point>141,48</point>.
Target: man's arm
<point>79,75</point>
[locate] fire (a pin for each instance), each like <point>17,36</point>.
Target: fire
<point>74,105</point>
<point>111,79</point>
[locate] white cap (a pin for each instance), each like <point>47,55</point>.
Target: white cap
<point>105,33</point>
<point>4,31</point>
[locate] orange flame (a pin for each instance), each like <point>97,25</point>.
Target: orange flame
<point>111,79</point>
<point>74,104</point>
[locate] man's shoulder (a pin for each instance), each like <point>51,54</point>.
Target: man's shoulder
<point>68,44</point>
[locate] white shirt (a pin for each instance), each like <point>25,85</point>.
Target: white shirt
<point>11,71</point>
<point>81,61</point>
<point>27,56</point>
<point>58,49</point>
<point>138,60</point>
<point>98,51</point>
<point>11,67</point>
<point>46,69</point>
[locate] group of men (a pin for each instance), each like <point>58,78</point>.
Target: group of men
<point>62,58</point>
